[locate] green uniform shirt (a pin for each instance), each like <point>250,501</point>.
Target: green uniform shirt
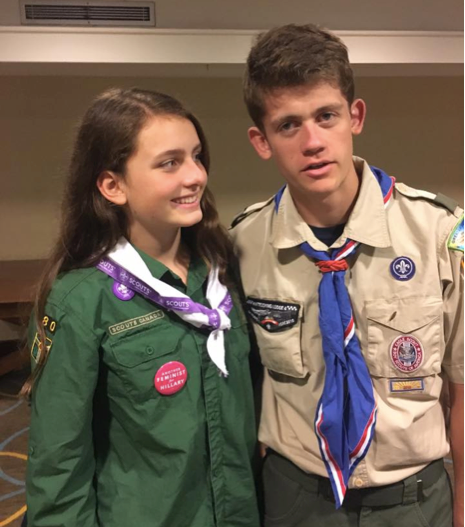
<point>105,448</point>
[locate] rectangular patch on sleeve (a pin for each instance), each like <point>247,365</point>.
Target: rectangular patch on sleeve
<point>37,347</point>
<point>272,315</point>
<point>406,385</point>
<point>455,241</point>
<point>135,322</point>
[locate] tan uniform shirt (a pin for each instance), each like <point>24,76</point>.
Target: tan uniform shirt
<point>410,430</point>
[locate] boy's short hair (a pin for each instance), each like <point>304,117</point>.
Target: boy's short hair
<point>294,55</point>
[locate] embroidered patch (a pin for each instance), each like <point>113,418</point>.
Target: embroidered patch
<point>36,348</point>
<point>456,237</point>
<point>406,353</point>
<point>402,268</point>
<point>135,322</point>
<point>49,324</point>
<point>406,385</point>
<point>272,315</point>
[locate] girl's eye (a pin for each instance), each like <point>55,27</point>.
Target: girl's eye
<point>171,163</point>
<point>198,157</point>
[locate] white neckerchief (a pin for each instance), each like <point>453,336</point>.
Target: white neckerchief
<point>127,257</point>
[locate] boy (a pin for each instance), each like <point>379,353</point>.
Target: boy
<point>354,289</point>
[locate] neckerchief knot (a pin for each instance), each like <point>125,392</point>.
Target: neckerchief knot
<point>328,266</point>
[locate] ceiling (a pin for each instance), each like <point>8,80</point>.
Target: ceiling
<point>375,15</point>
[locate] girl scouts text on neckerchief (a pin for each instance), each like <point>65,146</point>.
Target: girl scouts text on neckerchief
<point>346,413</point>
<point>125,265</point>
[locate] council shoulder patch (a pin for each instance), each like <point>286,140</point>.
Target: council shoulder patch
<point>456,238</point>
<point>132,323</point>
<point>272,315</point>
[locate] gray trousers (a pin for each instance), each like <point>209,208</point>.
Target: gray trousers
<point>296,499</point>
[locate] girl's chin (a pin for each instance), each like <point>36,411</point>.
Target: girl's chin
<point>189,220</point>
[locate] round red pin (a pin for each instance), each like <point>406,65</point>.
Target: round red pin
<point>170,378</point>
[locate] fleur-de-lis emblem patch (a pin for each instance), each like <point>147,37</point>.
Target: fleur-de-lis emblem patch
<point>402,268</point>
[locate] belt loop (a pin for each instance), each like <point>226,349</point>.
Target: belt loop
<point>410,490</point>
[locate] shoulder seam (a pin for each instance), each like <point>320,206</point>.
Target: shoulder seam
<point>251,209</point>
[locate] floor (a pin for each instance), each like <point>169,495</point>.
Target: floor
<point>14,427</point>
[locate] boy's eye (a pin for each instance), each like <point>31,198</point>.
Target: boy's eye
<point>288,126</point>
<point>327,116</point>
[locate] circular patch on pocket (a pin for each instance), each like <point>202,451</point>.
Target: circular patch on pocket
<point>406,353</point>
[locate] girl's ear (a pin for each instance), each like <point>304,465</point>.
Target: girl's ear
<point>112,187</point>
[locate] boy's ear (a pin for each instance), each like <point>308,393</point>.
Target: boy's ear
<point>358,111</point>
<point>112,188</point>
<point>259,142</point>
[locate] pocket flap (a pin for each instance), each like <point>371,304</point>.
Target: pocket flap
<point>144,346</point>
<point>404,314</point>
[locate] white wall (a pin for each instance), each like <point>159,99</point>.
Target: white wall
<point>414,131</point>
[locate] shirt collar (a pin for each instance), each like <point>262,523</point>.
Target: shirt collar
<point>196,275</point>
<point>290,230</point>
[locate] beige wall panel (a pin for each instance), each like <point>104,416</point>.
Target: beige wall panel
<point>414,131</point>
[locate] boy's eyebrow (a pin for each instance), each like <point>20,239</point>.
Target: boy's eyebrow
<point>335,107</point>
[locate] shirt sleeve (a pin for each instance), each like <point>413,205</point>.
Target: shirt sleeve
<point>451,263</point>
<point>61,465</point>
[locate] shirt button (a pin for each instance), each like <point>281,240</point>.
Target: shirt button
<point>149,350</point>
<point>358,483</point>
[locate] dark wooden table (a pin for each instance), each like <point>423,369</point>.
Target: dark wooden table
<point>18,281</point>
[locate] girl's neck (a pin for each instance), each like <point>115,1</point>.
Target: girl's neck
<point>167,248</point>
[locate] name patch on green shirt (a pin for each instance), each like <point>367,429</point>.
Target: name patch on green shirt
<point>135,322</point>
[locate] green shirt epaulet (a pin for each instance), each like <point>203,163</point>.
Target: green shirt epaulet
<point>256,207</point>
<point>439,199</point>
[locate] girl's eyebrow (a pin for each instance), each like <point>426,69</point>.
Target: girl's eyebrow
<point>177,151</point>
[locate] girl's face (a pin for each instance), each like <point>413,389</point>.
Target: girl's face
<point>164,179</point>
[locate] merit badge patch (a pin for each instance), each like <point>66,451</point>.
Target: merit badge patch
<point>403,385</point>
<point>402,268</point>
<point>456,237</point>
<point>36,348</point>
<point>406,353</point>
<point>272,315</point>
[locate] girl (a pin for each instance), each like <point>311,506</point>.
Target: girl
<point>141,395</point>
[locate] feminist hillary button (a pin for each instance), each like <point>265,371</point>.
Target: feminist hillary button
<point>402,268</point>
<point>406,353</point>
<point>170,378</point>
<point>122,292</point>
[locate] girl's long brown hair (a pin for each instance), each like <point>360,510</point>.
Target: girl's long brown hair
<point>90,225</point>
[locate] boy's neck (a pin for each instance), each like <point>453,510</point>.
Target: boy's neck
<point>328,210</point>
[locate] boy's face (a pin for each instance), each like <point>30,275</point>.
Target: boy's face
<point>308,131</point>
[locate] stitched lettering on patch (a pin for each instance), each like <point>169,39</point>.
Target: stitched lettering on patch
<point>132,323</point>
<point>272,315</point>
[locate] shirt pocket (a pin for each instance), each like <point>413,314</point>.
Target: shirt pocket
<point>138,357</point>
<point>404,337</point>
<point>278,326</point>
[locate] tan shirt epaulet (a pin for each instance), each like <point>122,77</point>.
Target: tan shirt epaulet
<point>256,207</point>
<point>439,199</point>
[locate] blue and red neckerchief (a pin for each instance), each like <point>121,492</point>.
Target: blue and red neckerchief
<point>346,412</point>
